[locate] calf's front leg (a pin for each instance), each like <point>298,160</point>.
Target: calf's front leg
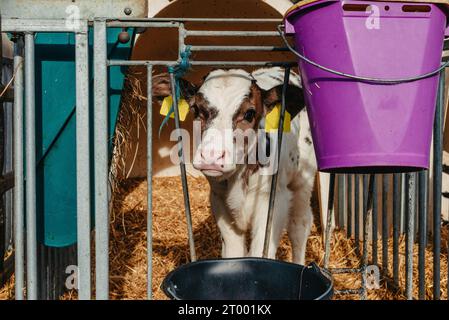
<point>280,217</point>
<point>233,239</point>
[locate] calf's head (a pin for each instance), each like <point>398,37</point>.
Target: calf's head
<point>229,106</point>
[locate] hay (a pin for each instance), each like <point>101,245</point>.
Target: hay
<point>131,116</point>
<point>128,244</point>
<point>7,291</point>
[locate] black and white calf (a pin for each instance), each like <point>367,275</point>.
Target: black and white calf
<point>230,101</point>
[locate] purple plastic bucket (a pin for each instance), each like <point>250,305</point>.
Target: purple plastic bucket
<point>362,126</point>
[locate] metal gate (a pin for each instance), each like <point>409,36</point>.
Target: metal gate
<point>122,16</point>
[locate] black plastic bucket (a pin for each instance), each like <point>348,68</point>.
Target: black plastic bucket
<point>248,279</point>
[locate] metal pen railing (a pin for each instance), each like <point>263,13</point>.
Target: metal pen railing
<point>357,195</point>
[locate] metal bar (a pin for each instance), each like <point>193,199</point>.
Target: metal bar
<point>367,218</point>
<point>422,211</point>
<point>204,33</point>
<point>403,204</point>
<point>437,186</point>
<point>341,200</point>
<point>182,166</point>
<point>148,24</point>
<point>230,63</point>
<point>86,10</point>
<point>101,161</point>
<point>357,213</point>
<point>19,255</point>
<point>30,154</point>
<point>3,214</point>
<point>330,213</point>
<point>349,206</point>
<point>83,165</point>
<point>411,207</point>
<point>396,225</point>
<point>229,20</point>
<point>274,179</point>
<point>385,233</point>
<point>140,62</point>
<point>60,25</point>
<point>149,182</point>
<point>365,194</point>
<point>374,235</point>
<point>181,40</point>
<point>35,25</point>
<point>238,48</point>
<point>345,270</point>
<point>195,63</point>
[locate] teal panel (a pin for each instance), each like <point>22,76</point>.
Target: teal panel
<point>56,129</point>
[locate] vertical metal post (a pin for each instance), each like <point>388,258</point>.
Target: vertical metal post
<point>349,206</point>
<point>396,226</point>
<point>367,215</point>
<point>422,211</point>
<point>149,182</point>
<point>411,207</point>
<point>83,163</point>
<point>182,166</point>
<point>437,185</point>
<point>402,225</point>
<point>357,213</point>
<point>3,214</point>
<point>274,178</point>
<point>30,154</point>
<point>364,207</point>
<point>101,161</point>
<point>374,221</point>
<point>385,233</point>
<point>330,213</point>
<point>19,255</point>
<point>341,200</point>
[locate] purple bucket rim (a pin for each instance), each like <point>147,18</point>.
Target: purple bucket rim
<point>297,8</point>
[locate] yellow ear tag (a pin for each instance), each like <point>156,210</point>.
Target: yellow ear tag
<point>272,119</point>
<point>183,107</point>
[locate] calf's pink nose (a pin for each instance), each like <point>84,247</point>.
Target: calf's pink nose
<point>213,156</point>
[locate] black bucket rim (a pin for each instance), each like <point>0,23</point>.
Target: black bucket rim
<point>324,273</point>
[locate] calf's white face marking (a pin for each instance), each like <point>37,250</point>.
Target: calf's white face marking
<point>227,101</point>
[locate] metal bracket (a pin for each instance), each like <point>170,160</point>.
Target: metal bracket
<point>73,9</point>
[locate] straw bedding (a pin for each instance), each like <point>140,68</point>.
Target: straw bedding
<point>171,249</point>
<point>128,244</point>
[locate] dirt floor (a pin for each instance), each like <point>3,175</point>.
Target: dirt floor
<point>170,249</point>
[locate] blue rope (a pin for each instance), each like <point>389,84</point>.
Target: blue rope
<point>179,71</point>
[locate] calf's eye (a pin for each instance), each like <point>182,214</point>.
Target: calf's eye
<point>249,115</point>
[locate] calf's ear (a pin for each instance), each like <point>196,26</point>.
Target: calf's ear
<point>294,99</point>
<point>162,87</point>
